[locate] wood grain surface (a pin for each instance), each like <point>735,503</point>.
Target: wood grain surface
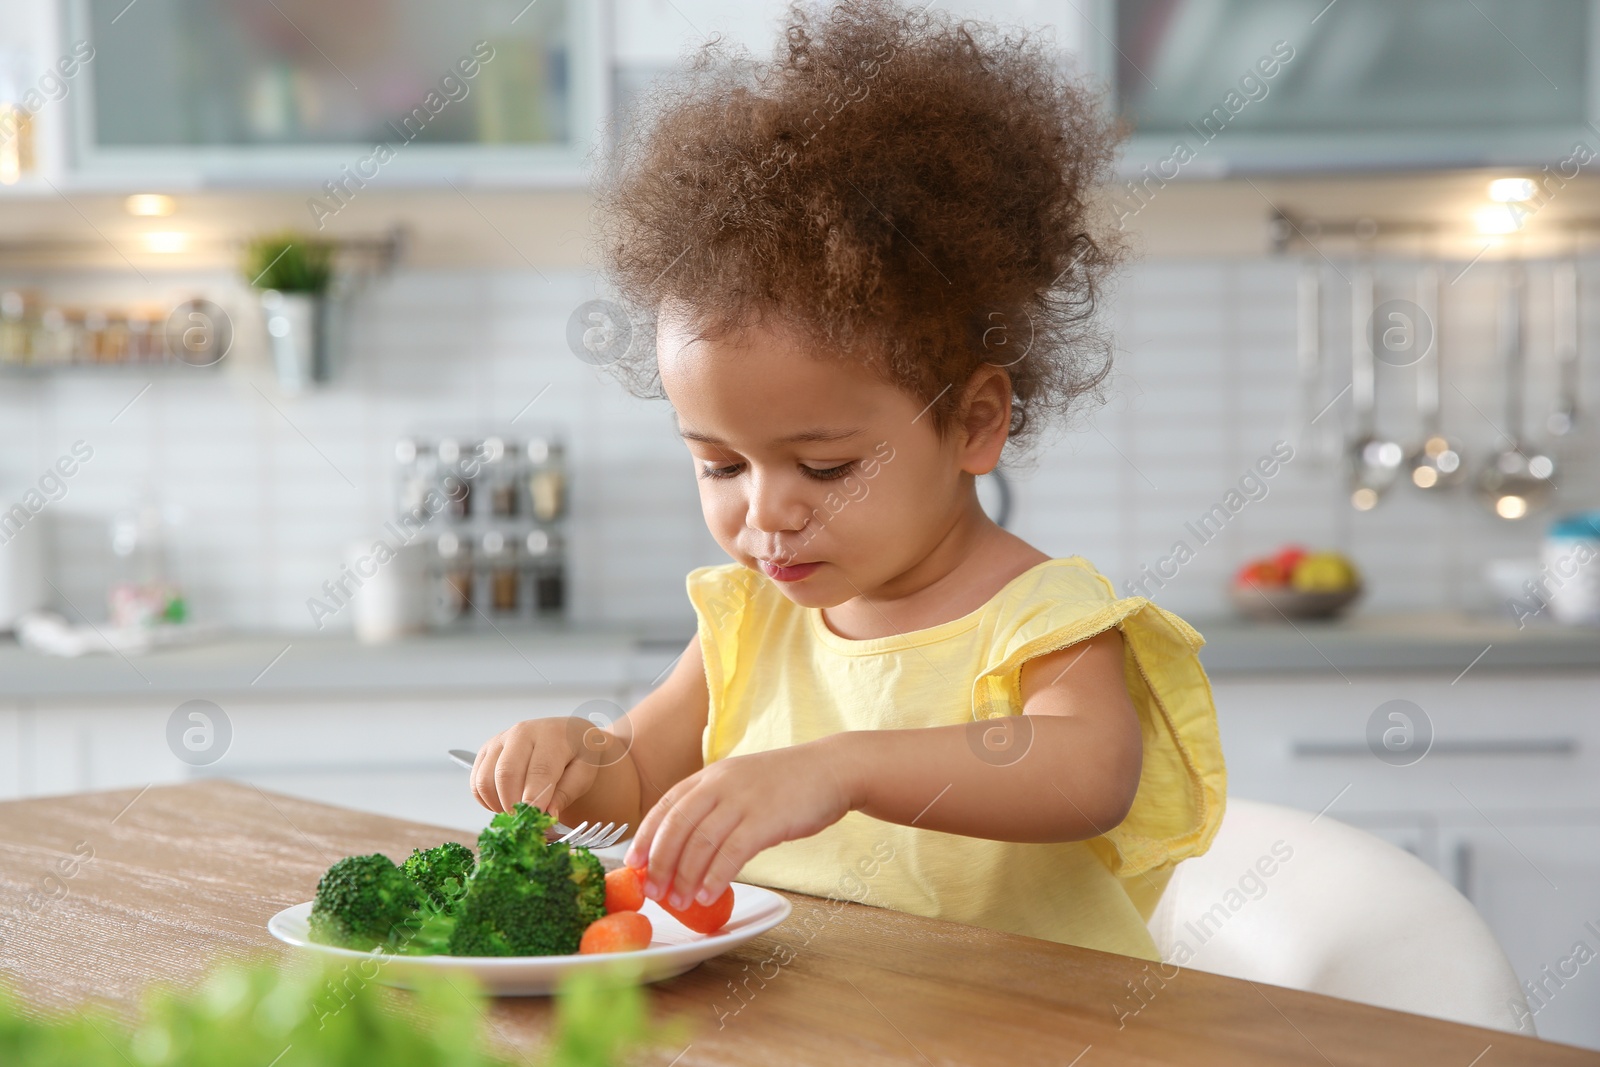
<point>182,876</point>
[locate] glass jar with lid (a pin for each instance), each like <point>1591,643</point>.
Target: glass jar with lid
<point>452,578</point>
<point>499,561</point>
<point>417,473</point>
<point>546,479</point>
<point>452,481</point>
<point>499,477</point>
<point>546,558</point>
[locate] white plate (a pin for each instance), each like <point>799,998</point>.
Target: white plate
<point>674,948</point>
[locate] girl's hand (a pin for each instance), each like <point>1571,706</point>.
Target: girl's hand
<point>708,826</point>
<point>546,762</point>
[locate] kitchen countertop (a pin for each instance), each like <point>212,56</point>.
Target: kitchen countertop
<point>181,876</point>
<point>510,660</point>
<point>1435,642</point>
<point>515,660</point>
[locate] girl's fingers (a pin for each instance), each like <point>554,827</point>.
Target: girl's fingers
<point>671,835</point>
<point>511,769</point>
<point>704,843</point>
<point>736,850</point>
<point>572,784</point>
<point>483,774</point>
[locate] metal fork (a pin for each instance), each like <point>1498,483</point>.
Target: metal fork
<point>584,835</point>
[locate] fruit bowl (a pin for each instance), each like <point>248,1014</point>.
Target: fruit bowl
<point>1276,603</point>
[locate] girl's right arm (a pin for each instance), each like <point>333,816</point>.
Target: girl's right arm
<point>577,771</point>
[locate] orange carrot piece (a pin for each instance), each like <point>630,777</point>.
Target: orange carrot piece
<point>624,931</point>
<point>704,918</point>
<point>624,890</point>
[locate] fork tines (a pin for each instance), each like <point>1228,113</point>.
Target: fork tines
<point>591,835</point>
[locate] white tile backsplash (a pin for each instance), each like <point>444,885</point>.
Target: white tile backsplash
<point>269,490</point>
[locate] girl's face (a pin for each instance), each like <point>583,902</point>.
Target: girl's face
<point>814,471</point>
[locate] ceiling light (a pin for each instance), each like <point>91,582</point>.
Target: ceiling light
<point>1511,190</point>
<point>1494,219</point>
<point>166,241</point>
<point>1511,507</point>
<point>156,205</point>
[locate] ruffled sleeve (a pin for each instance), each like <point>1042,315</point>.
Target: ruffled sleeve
<point>722,597</point>
<point>1183,784</point>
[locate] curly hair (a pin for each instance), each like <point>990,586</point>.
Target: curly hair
<point>902,188</point>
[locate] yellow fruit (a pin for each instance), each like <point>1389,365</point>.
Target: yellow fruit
<point>1324,572</point>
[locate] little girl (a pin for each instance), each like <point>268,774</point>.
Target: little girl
<point>871,264</point>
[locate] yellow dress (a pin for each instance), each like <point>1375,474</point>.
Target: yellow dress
<point>778,676</point>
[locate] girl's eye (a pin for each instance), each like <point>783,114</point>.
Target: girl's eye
<point>827,474</point>
<point>720,472</point>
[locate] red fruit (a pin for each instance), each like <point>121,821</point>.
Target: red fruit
<point>626,931</point>
<point>704,918</point>
<point>1263,572</point>
<point>1288,558</point>
<point>624,890</point>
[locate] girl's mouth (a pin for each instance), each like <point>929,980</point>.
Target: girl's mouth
<point>792,573</point>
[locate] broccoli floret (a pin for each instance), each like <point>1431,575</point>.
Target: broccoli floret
<point>516,835</point>
<point>441,873</point>
<point>363,902</point>
<point>590,876</point>
<point>527,897</point>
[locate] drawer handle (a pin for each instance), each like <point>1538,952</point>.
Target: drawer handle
<point>1499,746</point>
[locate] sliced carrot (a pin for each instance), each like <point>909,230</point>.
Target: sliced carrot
<point>624,890</point>
<point>704,918</point>
<point>625,931</point>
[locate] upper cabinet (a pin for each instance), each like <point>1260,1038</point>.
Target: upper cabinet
<point>1216,87</point>
<point>241,92</point>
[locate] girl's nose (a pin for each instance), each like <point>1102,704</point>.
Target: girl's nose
<point>775,506</point>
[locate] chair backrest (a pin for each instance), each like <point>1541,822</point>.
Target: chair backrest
<point>1310,903</point>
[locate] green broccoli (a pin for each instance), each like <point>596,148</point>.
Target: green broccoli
<point>514,835</point>
<point>524,897</point>
<point>363,902</point>
<point>527,897</point>
<point>441,873</point>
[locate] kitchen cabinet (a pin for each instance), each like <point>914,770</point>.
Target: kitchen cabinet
<point>1254,86</point>
<point>1537,882</point>
<point>178,93</point>
<point>383,755</point>
<point>1504,800</point>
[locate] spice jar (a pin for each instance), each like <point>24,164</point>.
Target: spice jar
<point>457,488</point>
<point>505,579</point>
<point>452,578</point>
<point>500,477</point>
<point>544,554</point>
<point>547,479</point>
<point>15,343</point>
<point>417,475</point>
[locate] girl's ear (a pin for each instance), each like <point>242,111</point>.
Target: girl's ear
<point>985,419</point>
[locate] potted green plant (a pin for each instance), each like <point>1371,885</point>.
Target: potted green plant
<point>293,273</point>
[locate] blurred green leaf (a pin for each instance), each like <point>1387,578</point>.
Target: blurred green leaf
<point>330,1017</point>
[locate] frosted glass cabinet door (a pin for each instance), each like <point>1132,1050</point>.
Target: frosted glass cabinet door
<point>1269,85</point>
<point>296,90</point>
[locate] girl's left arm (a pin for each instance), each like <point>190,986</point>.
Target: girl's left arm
<point>1065,771</point>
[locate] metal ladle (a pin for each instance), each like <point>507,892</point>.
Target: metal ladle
<point>1516,480</point>
<point>1565,312</point>
<point>1436,463</point>
<point>1374,461</point>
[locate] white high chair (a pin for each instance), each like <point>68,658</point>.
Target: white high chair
<point>1310,903</point>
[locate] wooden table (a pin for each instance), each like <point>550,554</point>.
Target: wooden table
<point>184,874</point>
